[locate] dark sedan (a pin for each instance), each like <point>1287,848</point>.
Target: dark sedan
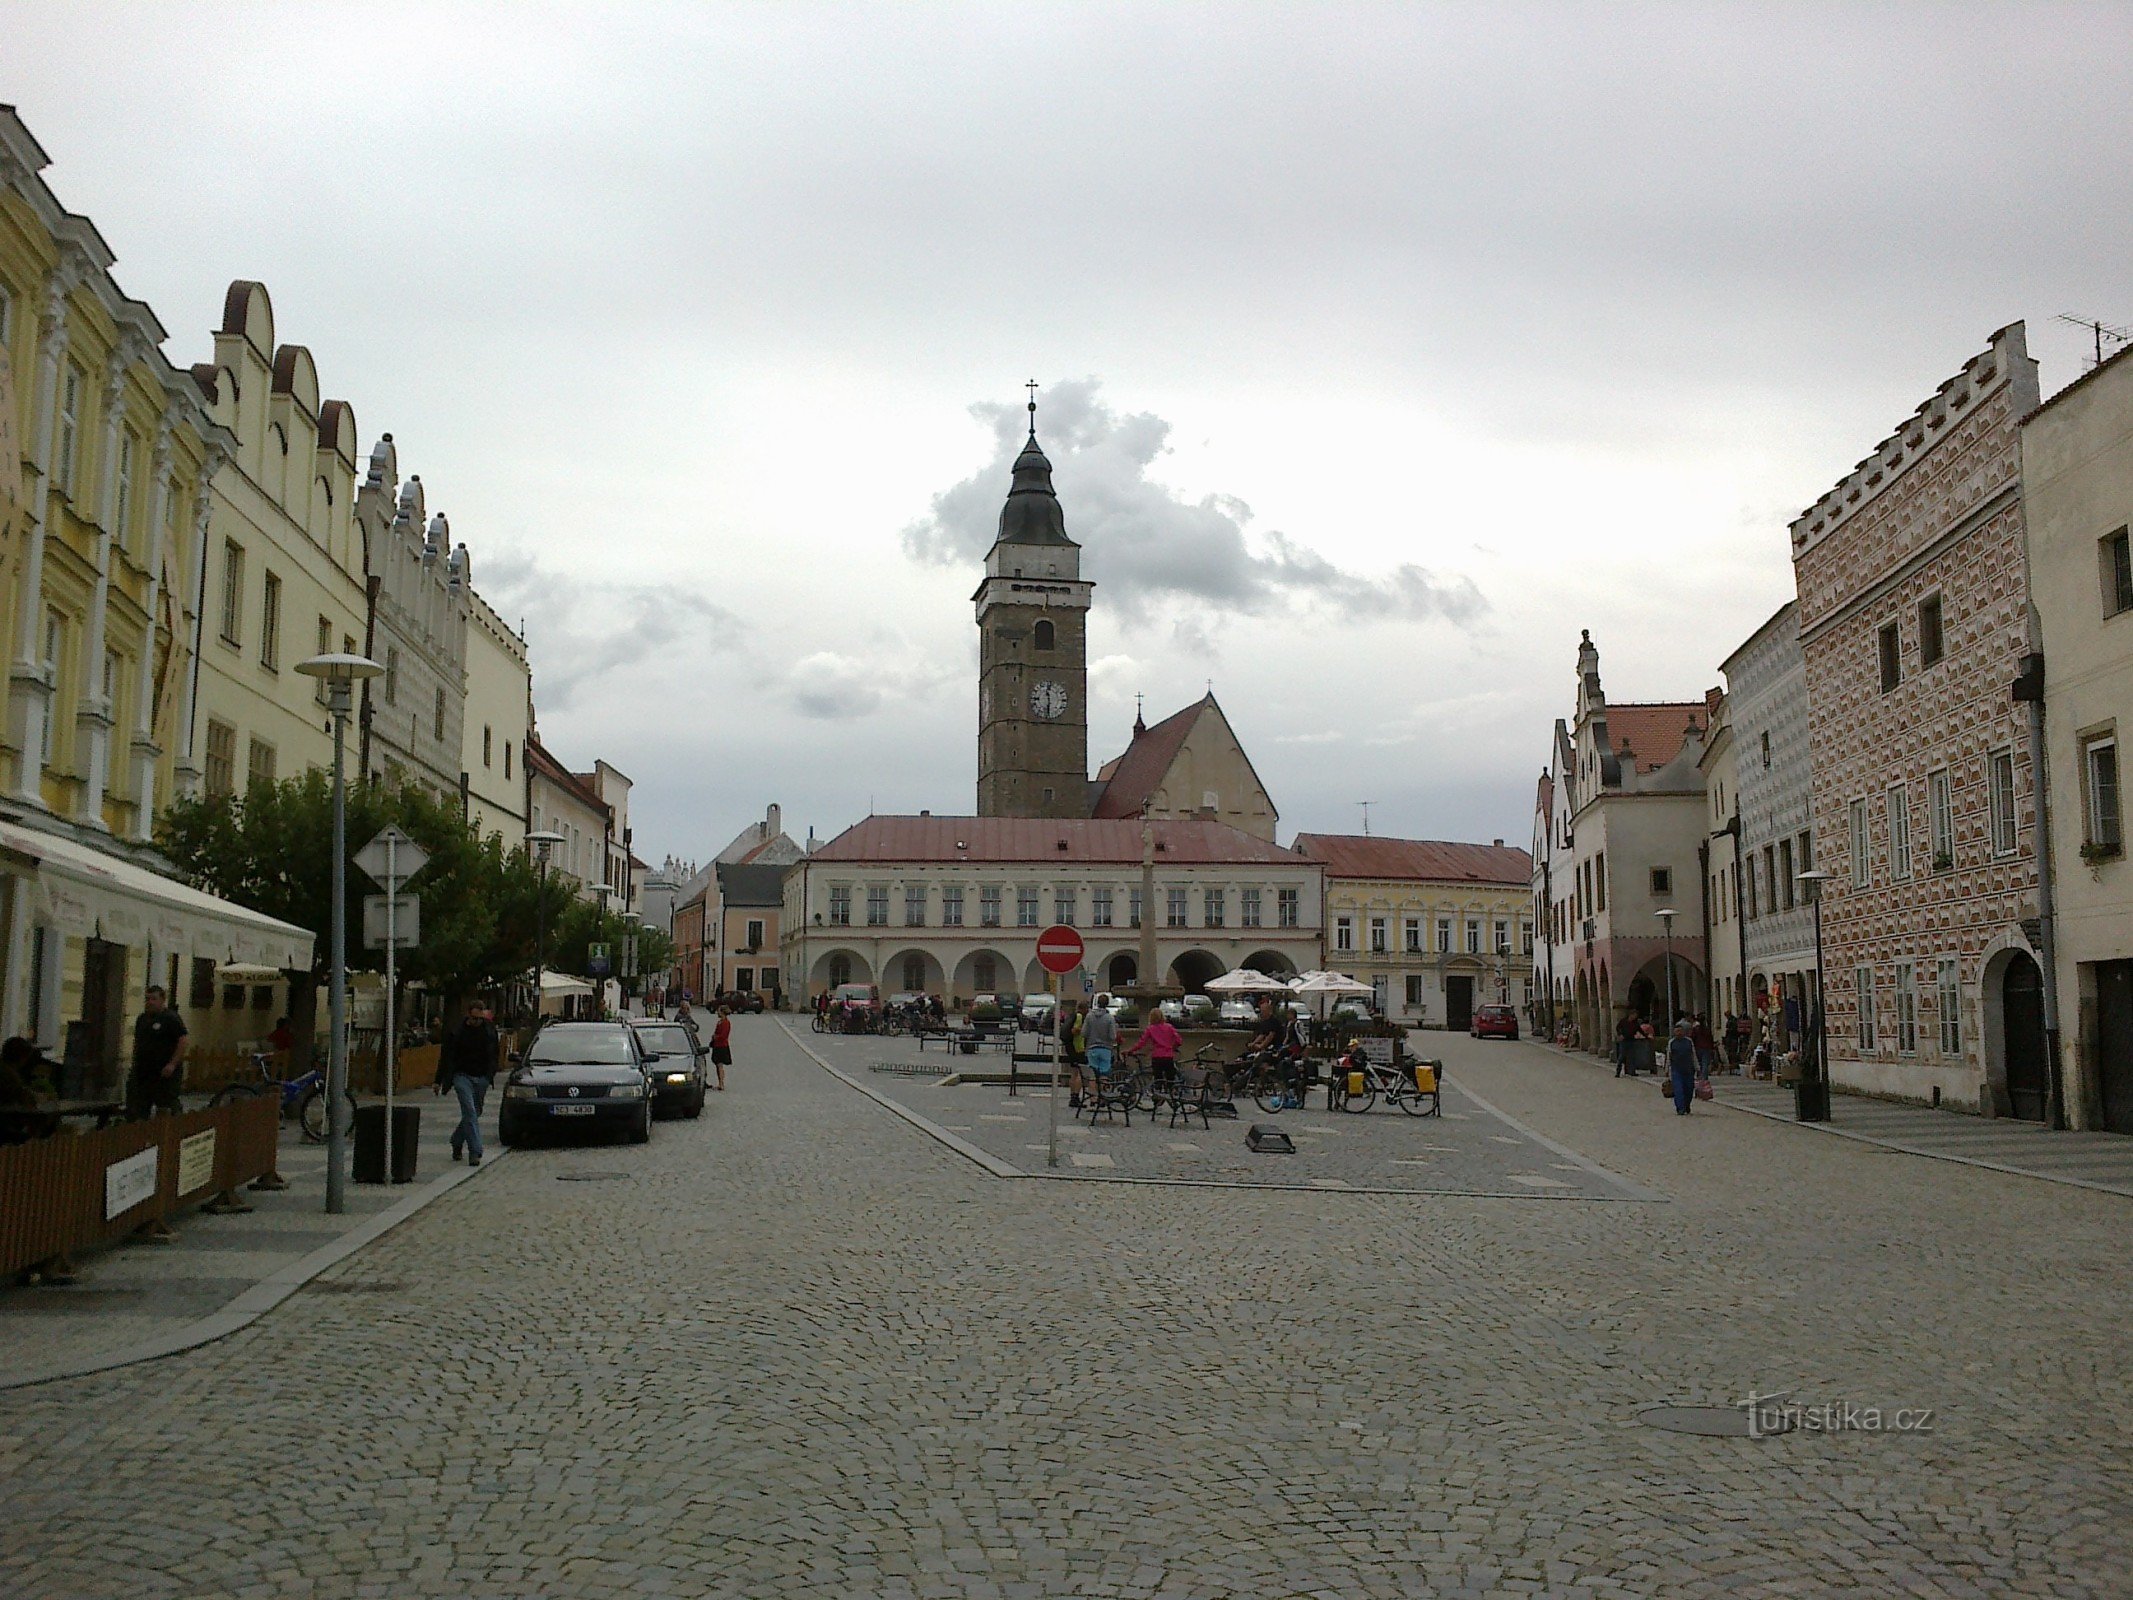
<point>677,1066</point>
<point>578,1076</point>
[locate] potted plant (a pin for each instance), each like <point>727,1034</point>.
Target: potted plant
<point>2096,854</point>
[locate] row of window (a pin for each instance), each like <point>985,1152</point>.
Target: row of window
<point>1065,907</point>
<point>1900,1028</point>
<point>1899,861</point>
<point>219,769</point>
<point>1411,929</point>
<point>1588,895</point>
<point>1769,878</point>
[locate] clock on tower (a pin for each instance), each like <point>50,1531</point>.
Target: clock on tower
<point>1033,677</point>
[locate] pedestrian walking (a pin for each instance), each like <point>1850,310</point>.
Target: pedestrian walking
<point>159,1044</point>
<point>1625,1033</point>
<point>722,1044</point>
<point>466,1066</point>
<point>1706,1047</point>
<point>1681,1066</point>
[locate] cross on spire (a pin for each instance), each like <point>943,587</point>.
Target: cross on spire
<point>1031,386</point>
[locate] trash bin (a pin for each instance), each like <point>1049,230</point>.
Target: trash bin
<point>1810,1099</point>
<point>369,1159</point>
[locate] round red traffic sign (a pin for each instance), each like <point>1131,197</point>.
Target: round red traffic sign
<point>1059,949</point>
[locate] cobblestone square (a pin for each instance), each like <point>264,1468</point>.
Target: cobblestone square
<point>801,1347</point>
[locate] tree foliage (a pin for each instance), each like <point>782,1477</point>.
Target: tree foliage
<point>272,850</point>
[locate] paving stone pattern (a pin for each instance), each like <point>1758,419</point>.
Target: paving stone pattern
<point>138,1295</point>
<point>1468,1150</point>
<point>801,1348</point>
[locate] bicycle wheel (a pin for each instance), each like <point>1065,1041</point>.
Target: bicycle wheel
<point>231,1093</point>
<point>1270,1091</point>
<point>1359,1100</point>
<point>1415,1102</point>
<point>311,1113</point>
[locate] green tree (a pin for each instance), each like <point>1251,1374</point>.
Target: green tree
<point>272,850</point>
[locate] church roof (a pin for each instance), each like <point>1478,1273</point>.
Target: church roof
<point>1368,855</point>
<point>1131,779</point>
<point>1032,514</point>
<point>1034,839</point>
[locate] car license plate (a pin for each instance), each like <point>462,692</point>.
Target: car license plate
<point>573,1111</point>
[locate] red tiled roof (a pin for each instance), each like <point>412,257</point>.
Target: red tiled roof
<point>1357,855</point>
<point>1131,779</point>
<point>1654,732</point>
<point>562,777</point>
<point>1033,839</point>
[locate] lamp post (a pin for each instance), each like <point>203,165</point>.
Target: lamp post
<point>340,674</point>
<point>1810,1101</point>
<point>1666,920</point>
<point>542,842</point>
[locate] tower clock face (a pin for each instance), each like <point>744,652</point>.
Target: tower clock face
<point>1047,700</point>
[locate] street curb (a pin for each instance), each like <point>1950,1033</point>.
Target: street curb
<point>1001,1169</point>
<point>264,1295</point>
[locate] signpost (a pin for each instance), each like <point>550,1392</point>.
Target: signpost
<point>1059,952</point>
<point>390,860</point>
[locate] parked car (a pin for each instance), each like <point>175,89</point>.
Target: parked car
<point>578,1075</point>
<point>991,1010</point>
<point>745,1000</point>
<point>1494,1022</point>
<point>1037,1013</point>
<point>855,1007</point>
<point>1354,1011</point>
<point>676,1066</point>
<point>1236,1013</point>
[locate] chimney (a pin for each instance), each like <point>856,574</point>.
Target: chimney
<point>1499,844</point>
<point>773,821</point>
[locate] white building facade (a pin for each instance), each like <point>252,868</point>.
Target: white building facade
<point>954,905</point>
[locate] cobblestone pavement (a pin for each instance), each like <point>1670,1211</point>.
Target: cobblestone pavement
<point>135,1298</point>
<point>2098,1160</point>
<point>800,1348</point>
<point>1470,1149</point>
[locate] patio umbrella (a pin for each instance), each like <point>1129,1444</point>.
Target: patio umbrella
<point>1246,981</point>
<point>1322,986</point>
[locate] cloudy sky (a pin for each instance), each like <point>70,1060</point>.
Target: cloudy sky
<point>1381,347</point>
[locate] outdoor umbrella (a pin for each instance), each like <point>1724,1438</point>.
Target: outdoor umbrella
<point>1245,981</point>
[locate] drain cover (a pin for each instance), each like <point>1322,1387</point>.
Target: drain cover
<point>1716,1422</point>
<point>590,1177</point>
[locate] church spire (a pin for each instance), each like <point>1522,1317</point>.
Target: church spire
<point>1032,514</point>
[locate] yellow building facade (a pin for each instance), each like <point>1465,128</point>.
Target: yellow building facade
<point>106,453</point>
<point>1434,928</point>
<point>282,553</point>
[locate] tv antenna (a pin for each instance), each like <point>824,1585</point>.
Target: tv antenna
<point>1366,805</point>
<point>2100,331</point>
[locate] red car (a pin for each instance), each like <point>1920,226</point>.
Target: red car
<point>1494,1022</point>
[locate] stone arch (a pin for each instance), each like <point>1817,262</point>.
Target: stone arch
<point>1990,1016</point>
<point>837,966</point>
<point>985,963</point>
<point>1271,962</point>
<point>1193,969</point>
<point>897,972</point>
<point>1118,969</point>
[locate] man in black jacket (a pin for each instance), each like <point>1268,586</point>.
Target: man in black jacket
<point>466,1064</point>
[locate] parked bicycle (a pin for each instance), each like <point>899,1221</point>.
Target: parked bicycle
<point>305,1095</point>
<point>1358,1082</point>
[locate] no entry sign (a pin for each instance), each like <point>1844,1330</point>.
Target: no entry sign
<point>1059,949</point>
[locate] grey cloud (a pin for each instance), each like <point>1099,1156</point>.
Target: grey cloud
<point>1151,549</point>
<point>588,632</point>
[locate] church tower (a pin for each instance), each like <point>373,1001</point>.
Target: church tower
<point>1033,655</point>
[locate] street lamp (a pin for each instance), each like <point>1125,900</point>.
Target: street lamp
<point>542,842</point>
<point>1810,1101</point>
<point>1666,920</point>
<point>339,673</point>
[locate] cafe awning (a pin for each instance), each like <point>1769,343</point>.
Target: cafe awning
<point>94,894</point>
